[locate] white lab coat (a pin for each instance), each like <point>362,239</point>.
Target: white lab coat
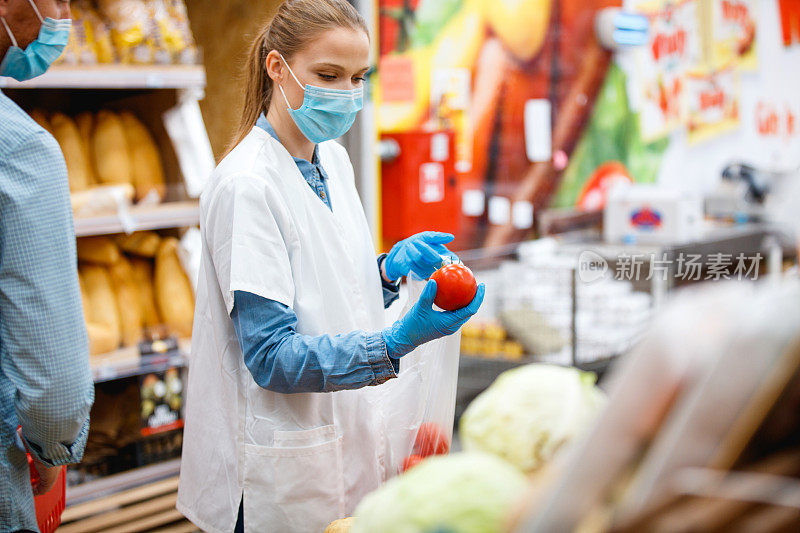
<point>301,460</point>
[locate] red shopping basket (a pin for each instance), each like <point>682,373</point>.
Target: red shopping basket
<point>49,506</point>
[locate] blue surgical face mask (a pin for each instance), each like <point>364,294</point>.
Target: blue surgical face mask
<point>39,55</point>
<point>325,113</point>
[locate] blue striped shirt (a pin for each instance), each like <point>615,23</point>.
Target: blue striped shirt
<point>45,380</point>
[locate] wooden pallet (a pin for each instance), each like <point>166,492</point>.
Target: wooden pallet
<point>149,507</point>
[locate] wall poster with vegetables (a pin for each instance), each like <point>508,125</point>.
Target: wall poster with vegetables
<point>545,117</point>
<point>475,67</point>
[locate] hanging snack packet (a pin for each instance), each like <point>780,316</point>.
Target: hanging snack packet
<point>128,21</point>
<point>158,37</point>
<point>78,49</point>
<point>185,51</point>
<point>98,34</point>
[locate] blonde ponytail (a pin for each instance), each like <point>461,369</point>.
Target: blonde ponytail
<point>296,23</point>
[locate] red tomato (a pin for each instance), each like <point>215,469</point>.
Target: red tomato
<point>431,441</point>
<point>604,177</point>
<point>455,287</point>
<point>411,461</point>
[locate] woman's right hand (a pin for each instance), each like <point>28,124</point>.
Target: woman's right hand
<point>422,323</point>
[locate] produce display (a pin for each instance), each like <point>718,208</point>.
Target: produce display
<point>489,340</point>
<point>465,492</point>
<point>130,32</point>
<point>132,296</point>
<point>455,286</point>
<point>107,149</point>
<point>529,413</point>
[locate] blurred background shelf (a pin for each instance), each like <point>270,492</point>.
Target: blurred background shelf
<point>115,77</point>
<point>162,216</point>
<point>127,362</point>
<point>118,483</point>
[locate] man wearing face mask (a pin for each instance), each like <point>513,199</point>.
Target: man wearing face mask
<point>46,387</point>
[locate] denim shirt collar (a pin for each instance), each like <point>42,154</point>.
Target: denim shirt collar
<point>264,124</point>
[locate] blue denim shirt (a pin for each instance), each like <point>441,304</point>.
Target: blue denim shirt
<point>282,360</point>
<point>45,380</point>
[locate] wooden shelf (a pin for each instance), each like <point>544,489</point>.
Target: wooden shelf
<point>118,483</point>
<point>166,215</point>
<point>115,77</point>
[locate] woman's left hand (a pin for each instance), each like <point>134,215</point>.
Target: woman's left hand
<point>421,254</point>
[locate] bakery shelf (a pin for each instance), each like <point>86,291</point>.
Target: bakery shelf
<point>127,362</point>
<point>115,77</point>
<point>166,215</point>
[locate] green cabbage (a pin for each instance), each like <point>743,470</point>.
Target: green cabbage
<point>463,492</point>
<point>530,412</point>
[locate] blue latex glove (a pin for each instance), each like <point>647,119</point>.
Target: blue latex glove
<point>421,254</point>
<point>422,323</point>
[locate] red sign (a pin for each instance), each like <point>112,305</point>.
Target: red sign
<point>735,11</point>
<point>790,21</point>
<point>400,70</point>
<point>773,121</point>
<point>712,99</point>
<point>672,44</point>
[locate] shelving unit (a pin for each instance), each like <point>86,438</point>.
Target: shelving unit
<point>143,497</point>
<point>161,216</point>
<point>115,77</point>
<point>126,362</point>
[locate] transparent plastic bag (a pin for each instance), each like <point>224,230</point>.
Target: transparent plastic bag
<point>423,407</point>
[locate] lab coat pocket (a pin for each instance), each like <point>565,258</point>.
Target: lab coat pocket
<point>295,485</point>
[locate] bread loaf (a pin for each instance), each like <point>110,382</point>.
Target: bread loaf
<point>143,243</point>
<point>85,123</point>
<point>100,250</point>
<point>143,277</point>
<point>128,301</point>
<point>69,139</point>
<point>101,339</point>
<point>101,308</point>
<point>148,172</point>
<point>110,150</point>
<point>174,295</point>
<point>40,118</point>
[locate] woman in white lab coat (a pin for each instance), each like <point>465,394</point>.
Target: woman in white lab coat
<point>291,364</point>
